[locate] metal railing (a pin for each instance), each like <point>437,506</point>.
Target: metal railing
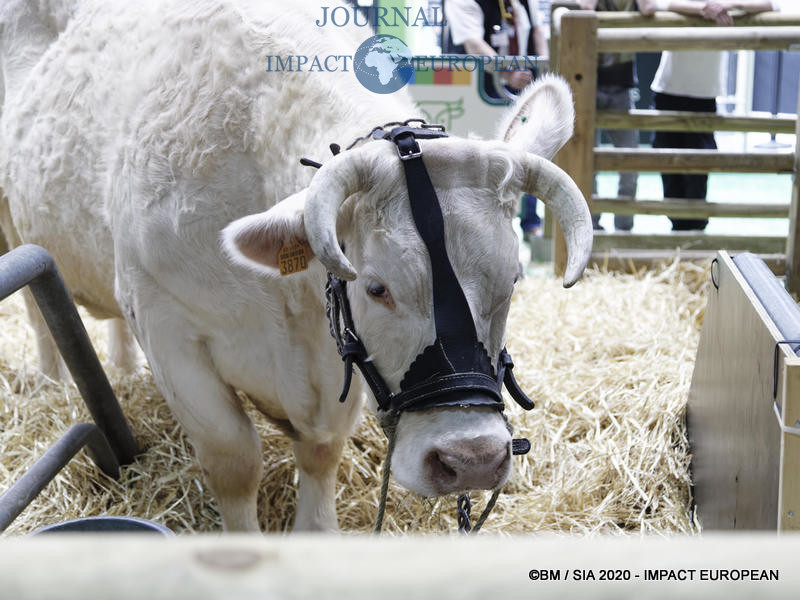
<point>110,441</point>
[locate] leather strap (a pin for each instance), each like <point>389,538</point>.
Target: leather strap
<point>456,369</point>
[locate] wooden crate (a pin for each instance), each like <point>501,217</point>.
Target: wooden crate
<point>746,446</point>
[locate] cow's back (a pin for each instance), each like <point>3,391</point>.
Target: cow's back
<point>147,127</point>
<point>55,127</point>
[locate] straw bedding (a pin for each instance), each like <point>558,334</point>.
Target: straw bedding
<point>608,362</point>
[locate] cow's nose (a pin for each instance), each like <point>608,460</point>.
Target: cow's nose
<point>476,463</point>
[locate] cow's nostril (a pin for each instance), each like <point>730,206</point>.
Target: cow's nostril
<point>441,469</point>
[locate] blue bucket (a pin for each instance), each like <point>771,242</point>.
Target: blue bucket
<point>106,525</point>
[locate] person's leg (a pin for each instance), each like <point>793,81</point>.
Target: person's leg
<point>622,99</point>
<point>602,102</point>
<point>688,186</point>
<point>695,185</point>
<point>530,222</point>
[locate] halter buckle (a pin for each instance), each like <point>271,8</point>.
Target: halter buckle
<point>406,142</point>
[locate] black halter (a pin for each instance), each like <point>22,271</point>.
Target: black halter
<point>455,370</point>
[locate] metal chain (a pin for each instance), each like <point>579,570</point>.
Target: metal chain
<point>463,506</point>
<point>407,122</point>
<point>332,312</point>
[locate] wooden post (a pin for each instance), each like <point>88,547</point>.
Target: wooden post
<point>577,63</point>
<point>793,241</point>
<point>558,8</point>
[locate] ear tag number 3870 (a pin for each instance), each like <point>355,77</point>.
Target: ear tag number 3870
<point>292,257</point>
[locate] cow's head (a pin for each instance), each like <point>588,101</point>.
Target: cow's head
<point>356,219</point>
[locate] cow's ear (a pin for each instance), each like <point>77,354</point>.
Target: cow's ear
<point>273,241</point>
<point>541,119</point>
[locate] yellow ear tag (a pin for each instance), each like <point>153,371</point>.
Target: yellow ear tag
<point>292,257</point>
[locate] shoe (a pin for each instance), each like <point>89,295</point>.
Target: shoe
<point>623,222</point>
<point>531,233</point>
<point>689,224</point>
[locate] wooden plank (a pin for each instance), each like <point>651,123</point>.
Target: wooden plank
<point>634,261</point>
<point>204,567</point>
<point>789,506</point>
<point>671,160</point>
<point>645,39</point>
<point>688,241</point>
<point>671,19</point>
<point>793,241</point>
<point>578,65</point>
<point>692,209</point>
<point>673,120</point>
<point>733,434</point>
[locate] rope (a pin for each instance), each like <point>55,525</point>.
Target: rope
<point>389,425</point>
<point>489,506</point>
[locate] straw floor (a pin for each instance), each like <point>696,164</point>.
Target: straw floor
<point>608,362</point>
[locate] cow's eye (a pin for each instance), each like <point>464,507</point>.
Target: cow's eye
<point>376,290</point>
<point>379,292</point>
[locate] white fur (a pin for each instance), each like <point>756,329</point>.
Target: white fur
<point>283,222</point>
<point>549,115</point>
<point>132,133</point>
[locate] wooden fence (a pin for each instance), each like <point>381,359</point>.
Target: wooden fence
<point>576,39</point>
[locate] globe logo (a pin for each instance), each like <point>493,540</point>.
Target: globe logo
<point>383,64</point>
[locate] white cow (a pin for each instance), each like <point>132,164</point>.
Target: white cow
<point>134,133</point>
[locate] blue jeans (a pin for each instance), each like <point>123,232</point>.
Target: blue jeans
<point>617,98</point>
<point>530,220</point>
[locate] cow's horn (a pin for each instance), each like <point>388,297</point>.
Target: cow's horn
<point>338,179</point>
<point>556,189</point>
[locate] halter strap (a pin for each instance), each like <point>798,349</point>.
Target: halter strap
<point>456,369</point>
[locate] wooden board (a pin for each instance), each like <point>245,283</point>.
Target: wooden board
<point>673,120</point>
<point>758,244</point>
<point>671,19</point>
<point>789,506</point>
<point>686,160</point>
<point>251,567</point>
<point>646,39</point>
<point>736,441</point>
<point>635,260</point>
<point>690,209</point>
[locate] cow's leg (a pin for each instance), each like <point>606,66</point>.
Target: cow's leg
<point>50,362</point>
<point>224,438</point>
<point>316,503</point>
<point>121,345</point>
